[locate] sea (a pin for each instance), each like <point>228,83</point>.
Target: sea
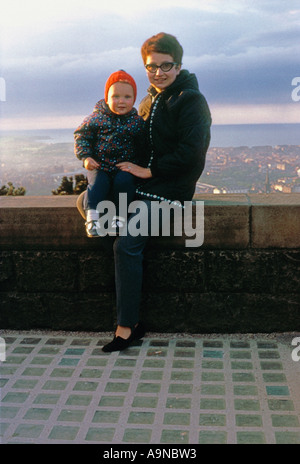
<point>221,135</point>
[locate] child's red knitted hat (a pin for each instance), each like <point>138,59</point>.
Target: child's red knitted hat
<point>119,76</point>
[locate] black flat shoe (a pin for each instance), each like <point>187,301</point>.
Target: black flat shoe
<point>138,332</point>
<point>119,343</point>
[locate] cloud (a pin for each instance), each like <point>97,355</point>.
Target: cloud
<point>256,75</point>
<point>255,114</point>
<point>65,82</point>
<point>56,59</point>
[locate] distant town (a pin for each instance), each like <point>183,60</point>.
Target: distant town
<point>39,165</point>
<point>260,169</point>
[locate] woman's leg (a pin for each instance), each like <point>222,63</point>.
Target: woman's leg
<point>128,255</point>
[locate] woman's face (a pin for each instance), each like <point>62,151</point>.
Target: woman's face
<point>161,79</point>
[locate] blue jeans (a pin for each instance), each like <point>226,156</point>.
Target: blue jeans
<point>128,256</point>
<point>103,185</point>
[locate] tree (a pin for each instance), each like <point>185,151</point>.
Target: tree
<point>67,186</point>
<point>10,190</point>
<point>80,184</point>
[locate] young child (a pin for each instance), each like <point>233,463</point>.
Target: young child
<point>113,133</point>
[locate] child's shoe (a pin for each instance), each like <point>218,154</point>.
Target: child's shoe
<point>91,228</point>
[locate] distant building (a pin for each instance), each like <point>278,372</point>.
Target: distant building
<point>267,183</point>
<point>204,188</point>
<point>282,188</point>
<point>236,190</point>
<point>281,166</point>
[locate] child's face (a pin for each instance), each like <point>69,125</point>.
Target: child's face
<point>120,98</point>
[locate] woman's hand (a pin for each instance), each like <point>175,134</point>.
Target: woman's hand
<point>135,170</point>
<point>90,164</point>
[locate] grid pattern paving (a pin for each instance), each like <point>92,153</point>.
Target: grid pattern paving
<point>163,390</point>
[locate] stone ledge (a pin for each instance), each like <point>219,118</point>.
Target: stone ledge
<point>231,222</point>
<point>162,312</point>
<point>246,276</point>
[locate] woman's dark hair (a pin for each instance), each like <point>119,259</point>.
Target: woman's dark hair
<point>163,43</point>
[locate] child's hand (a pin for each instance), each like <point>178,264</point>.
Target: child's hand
<point>91,164</point>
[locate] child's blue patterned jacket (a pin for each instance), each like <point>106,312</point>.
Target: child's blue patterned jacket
<point>110,138</point>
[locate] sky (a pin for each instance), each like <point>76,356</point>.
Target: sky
<point>56,56</point>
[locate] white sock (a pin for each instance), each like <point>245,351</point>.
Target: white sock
<point>92,215</point>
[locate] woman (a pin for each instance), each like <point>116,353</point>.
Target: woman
<point>178,125</point>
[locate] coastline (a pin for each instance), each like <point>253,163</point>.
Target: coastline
<point>226,135</point>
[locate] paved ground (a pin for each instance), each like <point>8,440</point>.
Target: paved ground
<point>169,389</point>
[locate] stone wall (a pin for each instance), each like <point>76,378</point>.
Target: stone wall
<point>244,278</point>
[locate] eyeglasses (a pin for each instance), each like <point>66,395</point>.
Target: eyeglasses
<point>165,67</point>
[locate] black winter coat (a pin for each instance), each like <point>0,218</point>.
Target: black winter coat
<point>178,124</point>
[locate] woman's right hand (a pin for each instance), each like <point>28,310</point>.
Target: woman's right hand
<point>135,169</point>
<point>90,164</point>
